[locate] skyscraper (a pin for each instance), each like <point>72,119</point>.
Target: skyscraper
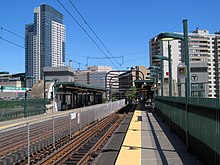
<point>44,42</point>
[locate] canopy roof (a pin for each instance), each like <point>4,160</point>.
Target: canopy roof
<point>78,87</point>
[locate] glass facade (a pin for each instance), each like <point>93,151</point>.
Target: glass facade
<point>29,33</point>
<point>42,40</point>
<point>47,15</point>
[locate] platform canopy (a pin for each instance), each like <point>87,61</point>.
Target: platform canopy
<point>142,82</point>
<point>78,87</point>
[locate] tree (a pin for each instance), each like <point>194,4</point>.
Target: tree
<point>131,94</point>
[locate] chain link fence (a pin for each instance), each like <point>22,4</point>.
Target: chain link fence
<point>46,131</point>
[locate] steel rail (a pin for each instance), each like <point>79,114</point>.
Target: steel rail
<point>97,146</point>
<point>64,152</point>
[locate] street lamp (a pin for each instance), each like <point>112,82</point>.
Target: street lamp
<point>156,68</point>
<point>169,37</point>
<point>184,38</point>
<point>159,58</point>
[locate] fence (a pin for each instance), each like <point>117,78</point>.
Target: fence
<point>12,109</point>
<point>56,126</point>
<point>196,123</point>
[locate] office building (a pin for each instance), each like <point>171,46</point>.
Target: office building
<point>44,42</point>
<point>59,74</point>
<point>94,75</point>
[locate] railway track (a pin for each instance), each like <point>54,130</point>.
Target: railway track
<point>16,140</point>
<point>81,147</point>
<point>49,140</point>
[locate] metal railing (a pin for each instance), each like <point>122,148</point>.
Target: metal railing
<point>12,109</point>
<point>198,122</point>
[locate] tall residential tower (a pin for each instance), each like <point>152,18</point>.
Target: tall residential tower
<point>44,42</point>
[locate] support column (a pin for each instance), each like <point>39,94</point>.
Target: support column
<point>94,95</point>
<point>77,103</point>
<point>85,103</point>
<point>72,100</point>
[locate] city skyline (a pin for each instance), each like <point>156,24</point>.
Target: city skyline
<point>126,32</point>
<point>45,42</point>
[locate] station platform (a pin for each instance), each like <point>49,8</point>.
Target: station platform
<point>149,141</point>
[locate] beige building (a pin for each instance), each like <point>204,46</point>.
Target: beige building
<point>94,75</point>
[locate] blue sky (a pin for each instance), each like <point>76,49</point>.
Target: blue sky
<point>125,27</point>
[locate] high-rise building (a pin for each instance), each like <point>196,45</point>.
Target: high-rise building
<point>204,48</point>
<point>44,42</point>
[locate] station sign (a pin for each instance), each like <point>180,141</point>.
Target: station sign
<point>73,116</point>
<point>12,89</point>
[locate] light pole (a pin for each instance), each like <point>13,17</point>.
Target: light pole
<point>160,59</point>
<point>169,37</point>
<point>187,63</point>
<point>156,68</point>
<point>44,94</point>
<point>170,70</point>
<point>184,38</point>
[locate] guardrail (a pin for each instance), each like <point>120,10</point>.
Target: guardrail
<point>196,123</point>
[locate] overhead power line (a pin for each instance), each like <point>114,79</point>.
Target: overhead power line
<point>175,26</point>
<point>87,60</point>
<point>79,63</point>
<point>12,32</point>
<point>11,42</point>
<point>6,40</point>
<point>86,32</point>
<point>93,32</point>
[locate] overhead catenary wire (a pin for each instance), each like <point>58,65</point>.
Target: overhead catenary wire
<point>79,63</point>
<point>87,59</point>
<point>86,32</point>
<point>11,32</point>
<point>12,43</point>
<point>172,28</point>
<point>94,32</point>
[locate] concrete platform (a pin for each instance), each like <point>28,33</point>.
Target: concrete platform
<point>149,141</point>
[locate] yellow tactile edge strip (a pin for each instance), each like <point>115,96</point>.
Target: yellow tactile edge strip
<point>130,153</point>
